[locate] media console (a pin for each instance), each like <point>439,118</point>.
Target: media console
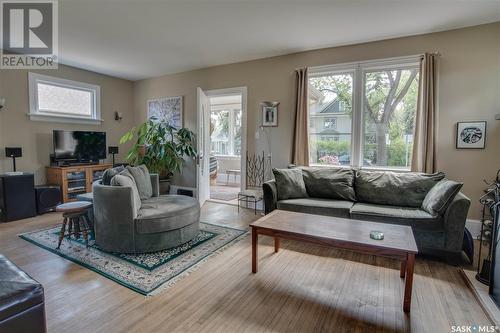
<point>76,179</point>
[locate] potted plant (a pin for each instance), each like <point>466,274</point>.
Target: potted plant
<point>160,147</point>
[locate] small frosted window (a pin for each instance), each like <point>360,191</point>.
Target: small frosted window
<point>65,100</point>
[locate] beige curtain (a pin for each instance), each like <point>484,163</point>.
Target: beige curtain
<point>300,149</point>
<point>424,143</point>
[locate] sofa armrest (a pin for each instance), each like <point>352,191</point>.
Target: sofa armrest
<point>455,217</point>
<point>114,216</point>
<point>155,183</point>
<point>270,196</point>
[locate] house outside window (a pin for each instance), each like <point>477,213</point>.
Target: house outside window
<point>373,104</point>
<point>61,100</point>
<point>331,123</point>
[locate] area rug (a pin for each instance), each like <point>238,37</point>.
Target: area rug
<point>149,273</point>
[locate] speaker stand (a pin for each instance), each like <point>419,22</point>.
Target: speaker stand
<point>14,163</point>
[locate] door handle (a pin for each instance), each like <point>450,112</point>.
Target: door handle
<point>199,158</point>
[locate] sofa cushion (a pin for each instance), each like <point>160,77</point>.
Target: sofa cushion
<point>289,183</point>
<point>391,188</point>
<point>142,180</point>
<point>330,183</point>
<point>166,212</point>
<point>328,207</point>
<point>110,173</point>
<point>440,196</point>
<point>414,217</point>
<point>125,178</point>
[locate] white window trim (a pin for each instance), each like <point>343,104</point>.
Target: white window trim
<point>358,70</point>
<point>36,115</point>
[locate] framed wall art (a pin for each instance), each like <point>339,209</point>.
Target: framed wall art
<point>167,109</point>
<point>471,135</point>
<point>270,114</point>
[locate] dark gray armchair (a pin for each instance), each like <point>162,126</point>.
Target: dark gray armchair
<point>161,222</point>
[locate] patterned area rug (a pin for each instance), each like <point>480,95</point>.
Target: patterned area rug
<point>148,273</point>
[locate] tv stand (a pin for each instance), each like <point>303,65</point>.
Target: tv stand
<point>75,179</point>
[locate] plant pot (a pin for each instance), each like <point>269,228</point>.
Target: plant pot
<point>164,186</point>
<point>141,150</point>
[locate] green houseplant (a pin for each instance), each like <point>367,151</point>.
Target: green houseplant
<point>160,147</point>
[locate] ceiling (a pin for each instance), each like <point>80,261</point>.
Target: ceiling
<point>141,39</point>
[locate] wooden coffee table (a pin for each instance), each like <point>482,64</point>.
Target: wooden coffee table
<point>398,242</point>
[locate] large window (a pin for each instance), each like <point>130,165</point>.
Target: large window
<point>363,114</point>
<point>225,129</point>
<point>57,99</point>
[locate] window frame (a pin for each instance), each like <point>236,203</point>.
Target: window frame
<point>36,114</point>
<point>358,70</point>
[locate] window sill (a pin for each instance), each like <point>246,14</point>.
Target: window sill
<point>228,157</point>
<point>64,119</point>
<point>372,168</point>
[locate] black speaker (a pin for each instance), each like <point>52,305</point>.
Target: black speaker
<point>47,198</point>
<point>13,152</point>
<point>17,197</point>
<point>112,150</point>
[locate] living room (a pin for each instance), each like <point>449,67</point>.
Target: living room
<point>229,167</point>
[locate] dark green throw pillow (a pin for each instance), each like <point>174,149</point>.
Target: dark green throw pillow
<point>289,184</point>
<point>440,196</point>
<point>330,183</point>
<point>110,173</point>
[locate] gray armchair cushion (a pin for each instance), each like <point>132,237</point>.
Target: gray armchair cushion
<point>330,183</point>
<point>110,173</point>
<point>142,181</point>
<point>167,212</point>
<point>126,179</point>
<point>397,189</point>
<point>289,183</point>
<point>328,207</point>
<point>440,196</point>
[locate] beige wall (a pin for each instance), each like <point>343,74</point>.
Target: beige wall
<point>468,90</point>
<point>35,137</point>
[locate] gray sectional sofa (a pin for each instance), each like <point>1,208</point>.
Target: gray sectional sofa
<point>429,203</point>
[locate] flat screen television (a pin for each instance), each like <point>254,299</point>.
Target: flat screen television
<point>79,146</point>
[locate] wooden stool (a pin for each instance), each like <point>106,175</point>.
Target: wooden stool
<point>75,218</point>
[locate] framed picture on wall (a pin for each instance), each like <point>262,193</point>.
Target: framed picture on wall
<point>167,109</point>
<point>270,114</point>
<point>471,135</point>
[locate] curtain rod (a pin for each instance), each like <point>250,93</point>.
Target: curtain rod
<point>436,53</point>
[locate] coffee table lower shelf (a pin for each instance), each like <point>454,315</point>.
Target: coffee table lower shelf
<point>407,257</point>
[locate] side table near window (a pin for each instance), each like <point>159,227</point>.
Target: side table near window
<point>250,196</point>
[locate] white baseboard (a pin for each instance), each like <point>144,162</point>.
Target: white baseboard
<point>474,227</point>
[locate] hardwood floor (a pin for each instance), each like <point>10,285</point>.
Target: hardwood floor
<point>303,288</point>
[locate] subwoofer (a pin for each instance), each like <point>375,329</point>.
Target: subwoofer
<point>47,198</point>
